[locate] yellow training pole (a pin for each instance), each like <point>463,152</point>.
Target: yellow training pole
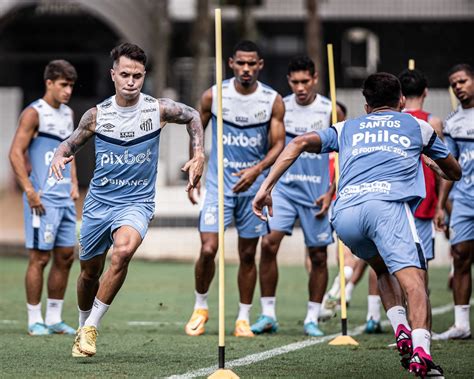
<point>411,64</point>
<point>453,98</point>
<point>221,372</point>
<point>344,339</point>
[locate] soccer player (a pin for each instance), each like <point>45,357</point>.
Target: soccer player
<point>254,135</point>
<point>459,136</point>
<point>49,211</point>
<point>414,88</point>
<point>381,181</point>
<point>120,201</point>
<point>303,193</point>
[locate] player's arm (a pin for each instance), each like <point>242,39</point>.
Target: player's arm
<point>172,111</point>
<point>66,150</point>
<point>437,125</point>
<point>27,127</point>
<point>324,201</point>
<point>444,190</point>
<point>310,142</point>
<point>74,181</point>
<point>277,141</point>
<point>205,111</point>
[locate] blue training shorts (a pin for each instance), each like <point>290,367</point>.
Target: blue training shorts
<point>55,228</point>
<point>461,226</point>
<point>317,231</point>
<point>381,227</point>
<point>426,232</point>
<point>248,225</point>
<point>100,220</point>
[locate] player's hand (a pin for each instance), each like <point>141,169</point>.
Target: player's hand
<point>194,194</point>
<point>439,220</point>
<point>247,178</point>
<point>34,201</point>
<point>262,199</point>
<point>323,202</point>
<point>58,165</point>
<point>74,191</point>
<point>194,167</point>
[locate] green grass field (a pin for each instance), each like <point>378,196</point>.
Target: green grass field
<point>162,295</point>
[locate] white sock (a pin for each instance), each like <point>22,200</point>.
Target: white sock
<point>34,314</point>
<point>349,289</point>
<point>97,312</point>
<point>398,315</point>
<point>461,317</point>
<point>201,300</point>
<point>335,289</point>
<point>348,271</point>
<point>54,309</point>
<point>373,307</point>
<point>312,313</point>
<point>83,315</point>
<point>244,312</point>
<point>268,306</point>
<point>421,338</point>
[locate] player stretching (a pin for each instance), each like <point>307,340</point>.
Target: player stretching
<point>120,202</point>
<point>302,193</point>
<point>459,135</point>
<point>49,211</point>
<point>253,137</point>
<point>381,181</point>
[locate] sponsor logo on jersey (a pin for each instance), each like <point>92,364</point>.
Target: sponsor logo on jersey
<point>127,134</point>
<point>465,157</point>
<point>149,99</point>
<point>125,158</point>
<point>380,124</point>
<point>48,157</point>
<point>47,115</point>
<point>380,136</point>
<point>108,128</point>
<point>149,110</point>
<point>243,119</point>
<point>242,140</point>
<point>106,104</point>
<point>113,113</point>
<point>146,125</point>
<point>123,182</point>
<point>225,111</point>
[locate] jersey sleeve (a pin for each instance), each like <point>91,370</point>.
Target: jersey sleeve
<point>450,142</point>
<point>329,139</point>
<point>433,147</point>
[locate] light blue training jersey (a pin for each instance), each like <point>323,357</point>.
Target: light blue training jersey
<point>308,176</point>
<point>55,125</point>
<point>126,151</point>
<point>379,157</point>
<point>459,136</point>
<point>246,121</point>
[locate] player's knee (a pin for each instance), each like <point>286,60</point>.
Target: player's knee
<point>208,252</point>
<point>247,256</point>
<point>64,260</point>
<point>39,260</point>
<point>269,248</point>
<point>318,259</point>
<point>122,254</point>
<point>461,258</point>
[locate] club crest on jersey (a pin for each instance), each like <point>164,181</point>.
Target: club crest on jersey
<point>261,115</point>
<point>146,125</point>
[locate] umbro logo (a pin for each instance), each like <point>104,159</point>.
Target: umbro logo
<point>106,104</point>
<point>147,125</point>
<point>108,127</point>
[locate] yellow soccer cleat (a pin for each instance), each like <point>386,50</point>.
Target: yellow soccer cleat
<point>76,352</point>
<point>87,340</point>
<point>242,329</point>
<point>195,325</point>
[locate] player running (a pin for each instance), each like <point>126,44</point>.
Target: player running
<point>120,201</point>
<point>459,136</point>
<point>303,193</point>
<point>49,210</point>
<point>253,137</point>
<point>381,181</point>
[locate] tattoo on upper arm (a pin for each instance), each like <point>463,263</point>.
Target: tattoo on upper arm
<point>85,130</point>
<point>179,113</point>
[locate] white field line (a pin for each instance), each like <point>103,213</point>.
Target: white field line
<point>264,355</point>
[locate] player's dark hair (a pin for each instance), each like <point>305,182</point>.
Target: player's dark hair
<point>382,89</point>
<point>343,108</point>
<point>301,63</point>
<point>129,50</point>
<point>467,68</point>
<point>60,69</point>
<point>413,82</point>
<point>246,45</point>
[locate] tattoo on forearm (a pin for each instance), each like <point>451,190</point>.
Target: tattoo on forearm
<point>81,135</point>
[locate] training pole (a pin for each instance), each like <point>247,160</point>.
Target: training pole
<point>411,64</point>
<point>344,339</point>
<point>453,98</point>
<point>221,372</point>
